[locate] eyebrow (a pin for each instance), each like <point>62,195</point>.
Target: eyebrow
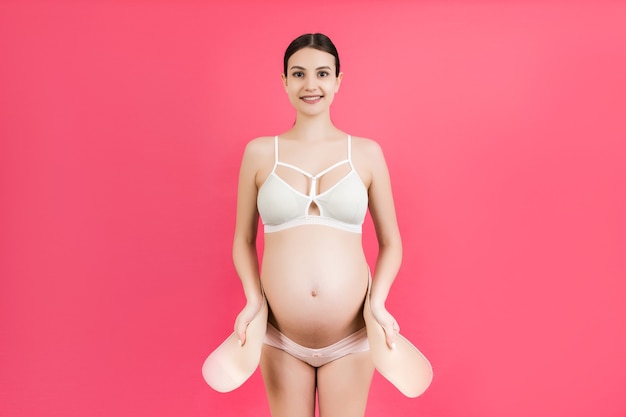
<point>302,68</point>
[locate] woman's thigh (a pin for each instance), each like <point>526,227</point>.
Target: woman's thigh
<point>343,385</point>
<point>289,382</point>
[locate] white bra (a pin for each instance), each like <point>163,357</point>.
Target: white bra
<point>342,206</point>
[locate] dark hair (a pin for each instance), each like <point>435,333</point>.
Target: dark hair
<point>317,41</point>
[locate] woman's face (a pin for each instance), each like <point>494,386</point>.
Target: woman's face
<point>310,81</point>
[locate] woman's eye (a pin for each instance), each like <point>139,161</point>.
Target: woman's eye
<point>323,74</point>
<point>298,74</point>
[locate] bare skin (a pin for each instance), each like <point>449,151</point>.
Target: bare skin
<point>315,277</point>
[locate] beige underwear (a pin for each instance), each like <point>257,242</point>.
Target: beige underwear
<point>354,343</point>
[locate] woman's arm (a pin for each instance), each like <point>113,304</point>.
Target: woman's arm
<point>382,210</point>
<point>244,243</point>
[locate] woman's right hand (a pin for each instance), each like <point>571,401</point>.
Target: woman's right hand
<point>387,322</point>
<point>244,318</point>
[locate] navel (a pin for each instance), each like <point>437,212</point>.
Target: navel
<point>314,293</point>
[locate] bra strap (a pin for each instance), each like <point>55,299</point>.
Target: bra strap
<point>350,152</point>
<point>275,151</point>
<point>350,149</point>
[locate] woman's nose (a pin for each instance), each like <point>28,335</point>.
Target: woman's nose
<point>310,83</point>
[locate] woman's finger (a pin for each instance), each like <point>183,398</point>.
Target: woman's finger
<point>390,336</point>
<point>241,334</point>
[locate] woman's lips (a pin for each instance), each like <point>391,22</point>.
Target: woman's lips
<point>311,99</point>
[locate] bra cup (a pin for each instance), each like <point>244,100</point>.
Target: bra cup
<point>278,204</point>
<point>347,202</point>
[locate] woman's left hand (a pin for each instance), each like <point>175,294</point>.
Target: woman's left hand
<point>387,322</point>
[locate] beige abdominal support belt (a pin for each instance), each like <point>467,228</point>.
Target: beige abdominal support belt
<point>230,365</point>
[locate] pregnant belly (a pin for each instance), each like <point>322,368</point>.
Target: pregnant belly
<point>315,284</point>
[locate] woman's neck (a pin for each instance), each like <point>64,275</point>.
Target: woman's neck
<point>313,128</point>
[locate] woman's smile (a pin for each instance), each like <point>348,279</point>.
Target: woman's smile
<point>311,99</point>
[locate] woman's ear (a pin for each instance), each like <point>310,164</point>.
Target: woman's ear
<point>284,78</point>
<point>338,83</point>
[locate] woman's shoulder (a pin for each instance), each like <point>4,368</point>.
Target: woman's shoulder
<point>258,152</point>
<point>260,142</point>
<point>367,147</point>
<point>260,146</point>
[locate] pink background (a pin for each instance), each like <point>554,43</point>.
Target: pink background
<point>122,125</point>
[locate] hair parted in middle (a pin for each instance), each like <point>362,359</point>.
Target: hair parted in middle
<point>317,41</point>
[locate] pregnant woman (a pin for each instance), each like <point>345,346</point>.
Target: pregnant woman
<point>312,186</point>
